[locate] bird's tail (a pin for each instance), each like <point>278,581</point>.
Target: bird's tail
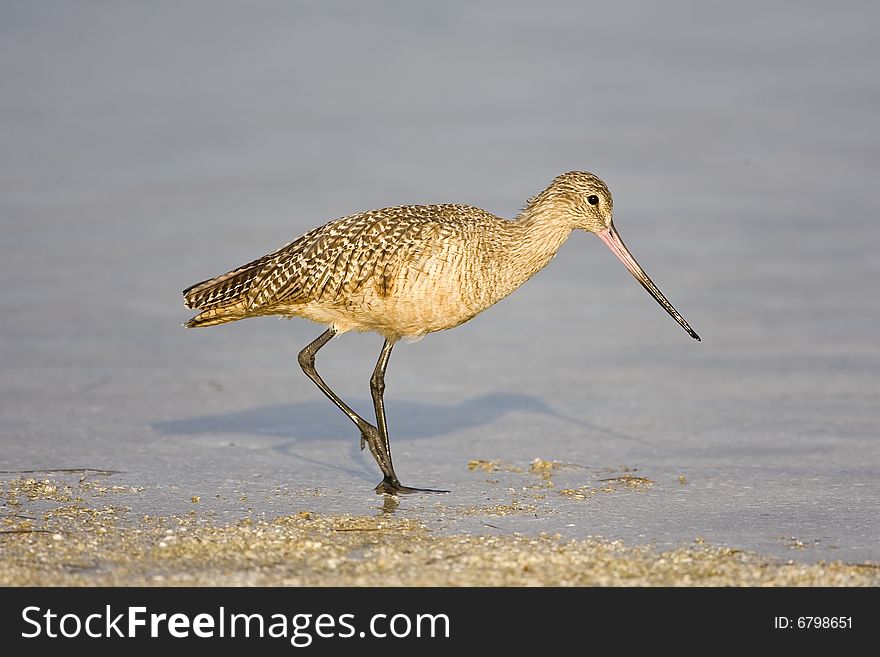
<point>213,317</point>
<point>223,298</point>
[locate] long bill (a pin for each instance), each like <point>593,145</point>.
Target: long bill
<point>612,238</point>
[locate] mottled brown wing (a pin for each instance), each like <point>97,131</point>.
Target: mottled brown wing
<point>405,243</point>
<point>333,261</point>
<point>339,259</point>
<point>302,271</point>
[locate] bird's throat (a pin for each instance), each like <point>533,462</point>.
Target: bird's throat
<point>540,236</point>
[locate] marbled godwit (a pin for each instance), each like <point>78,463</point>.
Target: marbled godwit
<point>407,271</point>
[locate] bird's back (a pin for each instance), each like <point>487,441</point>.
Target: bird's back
<point>357,271</point>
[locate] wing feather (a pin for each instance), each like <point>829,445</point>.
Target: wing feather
<point>334,260</point>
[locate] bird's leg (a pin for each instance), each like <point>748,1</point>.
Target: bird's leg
<point>390,484</point>
<point>377,390</point>
<point>369,434</point>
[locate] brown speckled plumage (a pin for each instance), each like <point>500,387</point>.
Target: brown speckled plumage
<point>402,271</point>
<point>406,271</point>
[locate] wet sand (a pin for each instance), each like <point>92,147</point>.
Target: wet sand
<point>82,533</point>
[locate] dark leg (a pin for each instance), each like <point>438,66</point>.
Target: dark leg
<point>377,389</point>
<point>369,434</point>
<point>377,440</point>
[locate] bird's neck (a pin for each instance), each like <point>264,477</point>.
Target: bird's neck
<point>538,235</point>
<point>509,254</point>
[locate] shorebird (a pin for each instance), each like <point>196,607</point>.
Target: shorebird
<point>410,270</point>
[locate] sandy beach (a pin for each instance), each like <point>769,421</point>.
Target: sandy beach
<point>92,539</point>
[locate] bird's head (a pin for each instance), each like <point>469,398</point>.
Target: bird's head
<point>581,200</point>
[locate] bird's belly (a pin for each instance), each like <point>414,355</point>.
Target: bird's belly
<point>421,299</point>
<point>403,315</point>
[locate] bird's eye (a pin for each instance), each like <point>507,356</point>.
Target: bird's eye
<point>592,199</point>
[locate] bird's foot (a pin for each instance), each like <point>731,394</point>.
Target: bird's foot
<point>391,486</point>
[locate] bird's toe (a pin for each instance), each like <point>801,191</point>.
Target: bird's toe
<point>391,486</point>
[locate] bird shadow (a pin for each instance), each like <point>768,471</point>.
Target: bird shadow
<point>319,420</point>
<point>297,423</point>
